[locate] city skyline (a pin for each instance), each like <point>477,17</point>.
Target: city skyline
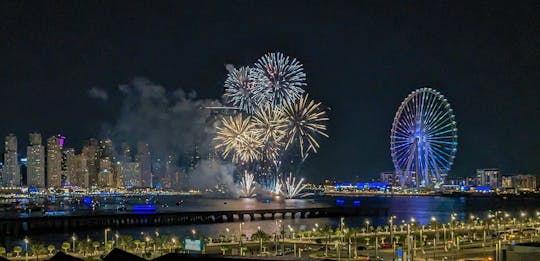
<point>483,60</point>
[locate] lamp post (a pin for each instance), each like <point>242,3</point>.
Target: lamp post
<point>105,242</point>
<point>147,240</point>
<point>228,230</point>
<point>73,238</point>
<point>260,239</point>
<point>26,248</point>
<point>367,225</point>
<point>240,235</point>
<point>392,237</point>
<point>434,219</point>
<point>116,236</point>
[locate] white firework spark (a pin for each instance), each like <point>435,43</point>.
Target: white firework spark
<point>277,188</point>
<point>247,186</point>
<point>277,79</point>
<point>293,189</point>
<point>239,89</point>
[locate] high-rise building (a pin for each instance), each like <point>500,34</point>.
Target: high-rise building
<point>69,167</point>
<point>389,177</point>
<point>106,175</point>
<point>131,175</point>
<point>54,161</point>
<point>125,156</point>
<point>81,178</point>
<point>11,173</point>
<point>145,164</point>
<point>489,177</point>
<point>36,162</point>
<point>506,182</point>
<point>90,152</point>
<point>524,182</point>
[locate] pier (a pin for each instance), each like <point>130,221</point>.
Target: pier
<point>22,226</point>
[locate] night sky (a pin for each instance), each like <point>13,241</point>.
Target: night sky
<point>362,58</point>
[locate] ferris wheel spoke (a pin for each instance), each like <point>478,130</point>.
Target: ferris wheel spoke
<point>439,159</point>
<point>433,112</point>
<point>439,152</point>
<point>441,119</point>
<point>440,138</point>
<point>442,129</point>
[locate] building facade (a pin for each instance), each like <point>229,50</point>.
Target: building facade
<point>54,161</point>
<point>489,177</point>
<point>11,176</point>
<point>36,162</point>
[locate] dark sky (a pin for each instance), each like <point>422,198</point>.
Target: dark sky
<point>362,58</point>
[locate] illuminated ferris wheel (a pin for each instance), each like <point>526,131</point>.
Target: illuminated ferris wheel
<point>423,139</point>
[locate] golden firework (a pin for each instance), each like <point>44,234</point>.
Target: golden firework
<point>305,119</point>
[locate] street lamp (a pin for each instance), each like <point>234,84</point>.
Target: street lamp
<point>367,225</point>
<point>260,239</point>
<point>105,242</point>
<point>26,248</point>
<point>73,238</point>
<point>193,232</point>
<point>434,220</point>
<point>228,230</point>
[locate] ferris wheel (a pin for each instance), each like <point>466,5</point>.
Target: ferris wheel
<point>423,139</point>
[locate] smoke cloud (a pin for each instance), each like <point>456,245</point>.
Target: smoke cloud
<point>98,93</point>
<point>174,124</point>
<point>210,173</point>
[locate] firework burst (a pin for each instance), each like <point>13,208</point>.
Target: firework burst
<point>305,119</point>
<point>270,126</point>
<point>249,148</point>
<point>293,189</point>
<point>239,89</point>
<point>277,79</point>
<point>247,186</point>
<point>236,137</point>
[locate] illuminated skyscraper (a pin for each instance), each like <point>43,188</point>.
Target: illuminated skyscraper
<point>106,176</point>
<point>90,153</point>
<point>11,173</point>
<point>69,165</point>
<point>36,162</point>
<point>81,178</point>
<point>54,161</point>
<point>145,164</point>
<point>131,175</point>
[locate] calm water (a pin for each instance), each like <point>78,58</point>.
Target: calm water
<point>421,208</point>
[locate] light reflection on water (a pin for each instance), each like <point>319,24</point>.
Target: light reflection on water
<point>421,208</point>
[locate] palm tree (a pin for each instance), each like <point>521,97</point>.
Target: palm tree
<point>137,244</point>
<point>367,239</point>
<point>224,249</point>
<point>17,250</point>
<point>328,231</point>
<point>3,251</point>
<point>96,245</point>
<point>66,246</point>
<point>386,228</point>
<point>37,249</point>
<point>382,239</point>
<point>124,241</point>
<point>51,249</point>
